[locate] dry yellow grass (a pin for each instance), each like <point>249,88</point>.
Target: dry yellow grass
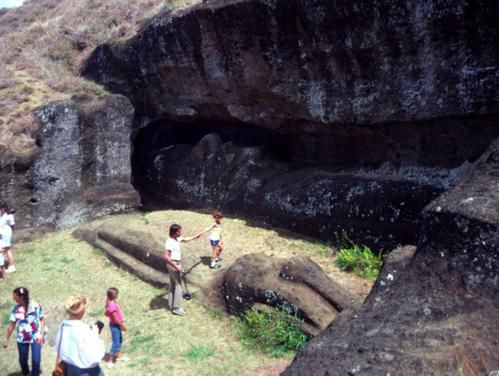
<point>44,44</point>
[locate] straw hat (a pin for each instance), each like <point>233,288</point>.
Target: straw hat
<point>75,304</point>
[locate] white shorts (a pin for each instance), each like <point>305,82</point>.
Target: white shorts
<point>2,259</point>
<point>6,240</point>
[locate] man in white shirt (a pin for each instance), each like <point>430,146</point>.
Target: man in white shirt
<point>173,255</point>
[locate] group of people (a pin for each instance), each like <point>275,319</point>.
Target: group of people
<point>7,224</point>
<point>78,344</point>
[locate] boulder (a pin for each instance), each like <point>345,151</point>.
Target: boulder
<point>297,285</point>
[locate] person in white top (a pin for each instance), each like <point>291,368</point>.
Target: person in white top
<point>77,343</point>
<point>173,256</point>
<point>7,218</point>
<point>5,240</point>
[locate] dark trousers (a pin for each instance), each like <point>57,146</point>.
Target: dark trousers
<point>36,357</point>
<point>75,371</point>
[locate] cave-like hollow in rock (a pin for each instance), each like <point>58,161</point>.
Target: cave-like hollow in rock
<point>362,183</point>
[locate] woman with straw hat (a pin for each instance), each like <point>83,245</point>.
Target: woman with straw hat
<point>78,344</point>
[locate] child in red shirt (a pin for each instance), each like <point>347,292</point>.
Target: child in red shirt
<point>116,325</point>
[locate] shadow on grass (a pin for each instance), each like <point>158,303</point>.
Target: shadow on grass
<point>15,374</point>
<point>159,302</point>
<point>205,260</point>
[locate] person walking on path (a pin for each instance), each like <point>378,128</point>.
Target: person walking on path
<point>173,256</point>
<point>117,326</point>
<point>28,316</point>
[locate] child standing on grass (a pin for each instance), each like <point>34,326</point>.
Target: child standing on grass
<point>5,236</point>
<point>7,219</point>
<point>116,325</point>
<point>216,241</point>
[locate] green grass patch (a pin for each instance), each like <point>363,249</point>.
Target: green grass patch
<point>142,362</point>
<point>273,331</point>
<point>5,318</point>
<point>140,341</point>
<point>199,352</point>
<point>361,260</point>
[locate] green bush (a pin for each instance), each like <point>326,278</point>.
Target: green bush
<point>273,331</point>
<point>361,260</point>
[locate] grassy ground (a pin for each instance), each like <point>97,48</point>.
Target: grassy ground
<point>202,343</point>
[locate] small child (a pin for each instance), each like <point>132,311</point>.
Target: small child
<point>7,219</point>
<point>216,241</point>
<point>5,236</point>
<point>116,325</point>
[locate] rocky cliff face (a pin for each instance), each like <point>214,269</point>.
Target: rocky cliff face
<point>432,313</point>
<point>340,96</point>
<point>81,169</point>
<point>271,63</point>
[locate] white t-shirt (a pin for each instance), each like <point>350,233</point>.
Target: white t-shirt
<point>216,231</point>
<point>174,246</point>
<point>7,219</point>
<point>80,346</point>
<point>6,236</point>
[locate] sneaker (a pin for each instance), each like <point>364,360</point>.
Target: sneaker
<point>123,359</point>
<point>214,265</point>
<point>11,269</point>
<point>220,258</point>
<point>178,311</point>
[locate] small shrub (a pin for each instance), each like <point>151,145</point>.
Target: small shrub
<point>275,331</point>
<point>361,260</point>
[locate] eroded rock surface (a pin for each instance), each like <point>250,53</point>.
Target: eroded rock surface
<point>297,285</point>
<point>81,168</point>
<point>272,62</point>
<point>327,204</point>
<point>435,312</point>
<point>384,102</point>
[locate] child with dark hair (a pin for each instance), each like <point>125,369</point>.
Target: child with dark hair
<point>116,325</point>
<point>28,316</point>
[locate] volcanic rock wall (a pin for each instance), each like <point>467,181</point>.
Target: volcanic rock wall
<point>272,63</point>
<point>395,95</point>
<point>81,169</point>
